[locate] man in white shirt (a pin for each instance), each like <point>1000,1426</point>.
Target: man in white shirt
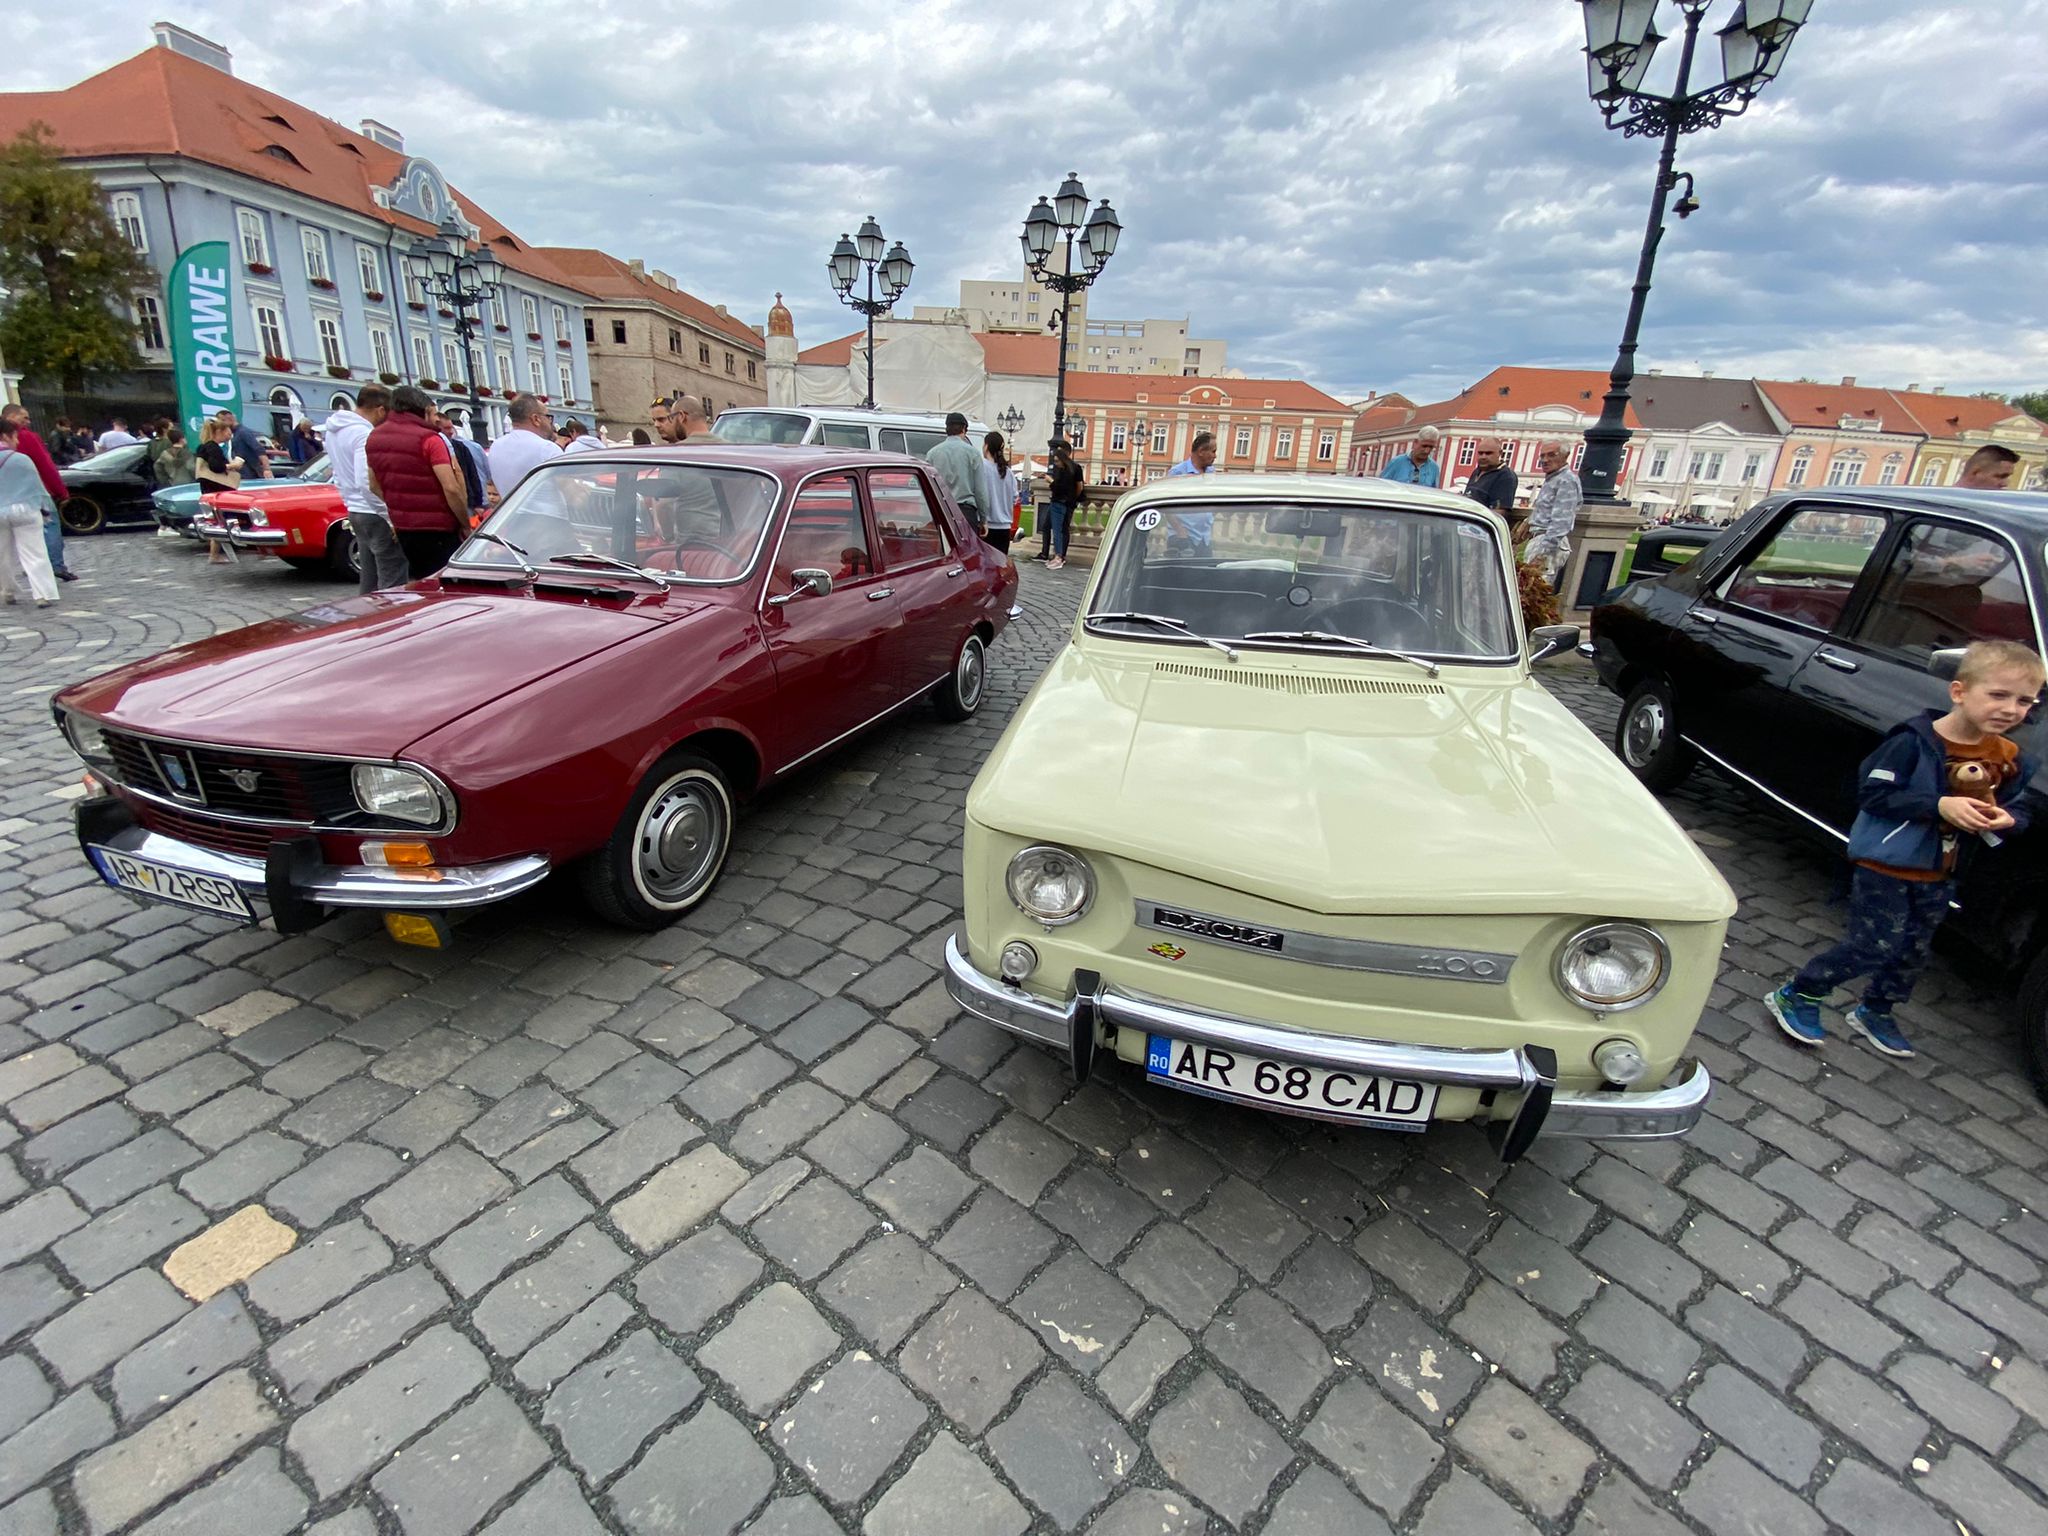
<point>117,435</point>
<point>529,444</point>
<point>380,563</point>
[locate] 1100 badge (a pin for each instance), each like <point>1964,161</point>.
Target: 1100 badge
<point>1325,1093</point>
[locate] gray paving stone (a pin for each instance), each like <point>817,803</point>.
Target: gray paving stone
<point>1515,1440</point>
<point>996,1243</point>
<point>1249,1228</point>
<point>83,1136</point>
<point>949,1111</point>
<point>1618,1508</point>
<point>132,1233</point>
<point>353,1332</point>
<point>171,1451</point>
<point>332,1180</point>
<point>847,1429</point>
<point>1411,1362</point>
<point>885,1287</point>
<point>24,1394</point>
<point>607,1409</point>
<point>1845,1326</point>
<point>702,1478</point>
<point>1864,1412</point>
<point>1752,1337</point>
<point>252,1498</point>
<point>1510,1333</point>
<point>678,1197</point>
<point>225,1120</point>
<point>105,1325</point>
<point>127,1170</point>
<point>240,1173</point>
<point>856,1145</point>
<point>872,1056</point>
<point>1863,1502</point>
<point>784,1121</point>
<point>697,1279</point>
<point>185,1356</point>
<point>1214,1446</point>
<point>1727,1494</point>
<point>737,1085</point>
<point>1153,1512</point>
<point>1464,1506</point>
<point>629,1089</point>
<point>1098,1212</point>
<point>809,1230</point>
<point>1385,1455</point>
<point>452,1477</point>
<point>921,1192</point>
<point>1977,1491</point>
<point>29,1294</point>
<point>501,1068</point>
<point>1169,1171</point>
<point>78,1423</point>
<point>1953,1401</point>
<point>359,1426</point>
<point>1063,1452</point>
<point>1270,1351</point>
<point>764,1191</point>
<point>314,1069</point>
<point>1646,1265</point>
<point>1318,1505</point>
<point>440,1194</point>
<point>553,1506</point>
<point>1416,1263</point>
<point>946,1489</point>
<point>426,1058</point>
<point>323,1266</point>
<point>1938,1325</point>
<point>1179,1273</point>
<point>1756,1423</point>
<point>1017,1155</point>
<point>1078,1311</point>
<point>769,1346</point>
<point>626,1156</point>
<point>41,1108</point>
<point>571,1344</point>
<point>508,1233</point>
<point>1325,1285</point>
<point>428,1120</point>
<point>1632,1424</point>
<point>551,1148</point>
<point>335,1114</point>
<point>31,1225</point>
<point>531,1301</point>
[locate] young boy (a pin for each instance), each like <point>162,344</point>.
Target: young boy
<point>1904,841</point>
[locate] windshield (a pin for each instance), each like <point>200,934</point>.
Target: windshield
<point>760,427</point>
<point>127,456</point>
<point>689,521</point>
<point>318,471</point>
<point>1427,583</point>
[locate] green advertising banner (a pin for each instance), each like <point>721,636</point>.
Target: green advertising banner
<point>203,335</point>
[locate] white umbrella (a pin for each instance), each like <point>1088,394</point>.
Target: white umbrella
<point>1653,499</point>
<point>1713,501</point>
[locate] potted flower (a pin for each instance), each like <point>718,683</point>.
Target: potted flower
<point>501,328</point>
<point>483,389</point>
<point>562,342</point>
<point>372,296</point>
<point>336,371</point>
<point>389,378</point>
<point>277,364</point>
<point>322,282</point>
<point>430,383</point>
<point>533,335</point>
<point>445,313</point>
<point>416,306</point>
<point>261,268</point>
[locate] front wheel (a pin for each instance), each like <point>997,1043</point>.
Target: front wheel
<point>342,556</point>
<point>959,696</point>
<point>1646,737</point>
<point>2034,1024</point>
<point>81,514</point>
<point>668,849</point>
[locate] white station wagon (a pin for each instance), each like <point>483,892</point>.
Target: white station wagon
<point>1289,823</point>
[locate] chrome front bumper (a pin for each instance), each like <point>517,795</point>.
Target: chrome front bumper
<point>294,888</point>
<point>239,535</point>
<point>1529,1071</point>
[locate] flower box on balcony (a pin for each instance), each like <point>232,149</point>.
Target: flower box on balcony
<point>430,383</point>
<point>445,314</point>
<point>389,378</point>
<point>418,309</point>
<point>372,296</point>
<point>278,364</point>
<point>261,268</point>
<point>483,389</point>
<point>336,371</point>
<point>321,282</point>
<point>533,335</point>
<point>562,342</point>
<point>502,329</point>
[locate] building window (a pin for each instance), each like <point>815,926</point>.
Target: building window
<point>415,290</point>
<point>505,369</point>
<point>1660,460</point>
<point>1077,433</point>
<point>1696,467</point>
<point>1326,446</point>
<point>1283,443</point>
<point>422,357</point>
<point>704,353</point>
<point>128,219</point>
<point>1466,449</point>
<point>329,329</point>
<point>1888,472</point>
<point>1846,469</point>
<point>730,365</point>
<point>1751,467</point>
<point>1931,475</point>
<point>568,383</point>
<point>255,248</point>
<point>529,311</point>
<point>1119,437</point>
<point>1800,462</point>
<point>451,362</point>
<point>1160,431</point>
<point>675,340</point>
<point>382,351</point>
<point>536,376</point>
<point>752,366</point>
<point>371,272</point>
<point>269,331</point>
<point>149,321</point>
<point>498,316</point>
<point>561,316</point>
<point>340,402</point>
<point>1716,462</point>
<point>589,331</point>
<point>315,246</point>
<point>1241,445</point>
<point>1578,454</point>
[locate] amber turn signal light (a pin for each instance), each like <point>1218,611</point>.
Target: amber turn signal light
<point>398,855</point>
<point>426,932</point>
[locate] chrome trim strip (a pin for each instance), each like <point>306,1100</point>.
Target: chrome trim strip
<point>1654,1116</point>
<point>1485,966</point>
<point>1764,790</point>
<point>798,762</point>
<point>345,885</point>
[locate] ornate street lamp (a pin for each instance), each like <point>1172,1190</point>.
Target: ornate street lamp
<point>1012,422</point>
<point>464,280</point>
<point>1044,225</point>
<point>865,250</point>
<point>1621,38</point>
<point>1140,446</point>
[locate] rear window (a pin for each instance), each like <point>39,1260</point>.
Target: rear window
<point>844,434</point>
<point>911,440</point>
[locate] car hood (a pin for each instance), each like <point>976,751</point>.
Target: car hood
<point>1361,788</point>
<point>364,676</point>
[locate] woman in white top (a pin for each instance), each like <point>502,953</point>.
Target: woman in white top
<point>999,493</point>
<point>23,503</point>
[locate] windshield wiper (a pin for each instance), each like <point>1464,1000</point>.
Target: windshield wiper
<point>525,562</point>
<point>1324,637</point>
<point>1175,625</point>
<point>609,562</point>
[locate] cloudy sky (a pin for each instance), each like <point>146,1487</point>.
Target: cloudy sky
<point>1368,194</point>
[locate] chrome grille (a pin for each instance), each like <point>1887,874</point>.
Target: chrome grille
<point>252,785</point>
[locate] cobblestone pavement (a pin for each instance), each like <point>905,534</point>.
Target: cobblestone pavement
<point>739,1226</point>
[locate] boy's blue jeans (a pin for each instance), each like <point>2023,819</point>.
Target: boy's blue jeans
<point>1891,930</point>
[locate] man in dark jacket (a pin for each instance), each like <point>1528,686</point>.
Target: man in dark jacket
<point>46,470</point>
<point>1494,485</point>
<point>412,471</point>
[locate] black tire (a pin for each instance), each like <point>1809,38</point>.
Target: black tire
<point>341,553</point>
<point>2034,1024</point>
<point>1646,737</point>
<point>960,695</point>
<point>668,849</point>
<point>81,514</point>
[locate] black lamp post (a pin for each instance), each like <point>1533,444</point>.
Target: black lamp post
<point>1043,228</point>
<point>1621,37</point>
<point>849,256</point>
<point>1012,422</point>
<point>464,280</point>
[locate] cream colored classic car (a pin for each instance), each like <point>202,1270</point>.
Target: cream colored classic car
<point>1288,822</point>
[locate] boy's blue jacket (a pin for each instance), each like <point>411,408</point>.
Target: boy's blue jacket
<point>1899,790</point>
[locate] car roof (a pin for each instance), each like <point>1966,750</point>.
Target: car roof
<point>786,461</point>
<point>844,413</point>
<point>1246,486</point>
<point>2016,512</point>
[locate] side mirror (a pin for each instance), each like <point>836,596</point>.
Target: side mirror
<point>1943,663</point>
<point>1548,640</point>
<point>811,583</point>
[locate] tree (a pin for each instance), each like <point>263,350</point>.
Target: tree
<point>71,272</point>
<point>2035,404</point>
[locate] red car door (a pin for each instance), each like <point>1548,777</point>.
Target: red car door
<point>834,656</point>
<point>926,563</point>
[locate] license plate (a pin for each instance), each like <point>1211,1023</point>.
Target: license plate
<point>1327,1093</point>
<point>146,877</point>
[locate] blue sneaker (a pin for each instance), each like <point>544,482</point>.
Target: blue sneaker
<point>1797,1014</point>
<point>1881,1030</point>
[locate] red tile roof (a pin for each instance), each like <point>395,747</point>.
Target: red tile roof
<point>1822,406</point>
<point>604,276</point>
<point>1003,352</point>
<point>1522,389</point>
<point>162,103</point>
<point>835,353</point>
<point>1380,418</point>
<point>1953,415</point>
<point>1168,388</point>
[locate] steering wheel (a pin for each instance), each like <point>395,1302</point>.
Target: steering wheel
<point>1381,620</point>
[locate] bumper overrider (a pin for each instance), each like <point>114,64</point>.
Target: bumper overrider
<point>1071,1027</point>
<point>241,535</point>
<point>292,882</point>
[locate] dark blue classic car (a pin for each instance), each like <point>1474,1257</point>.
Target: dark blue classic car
<point>1787,647</point>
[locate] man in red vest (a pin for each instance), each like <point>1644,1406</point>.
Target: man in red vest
<point>412,472</point>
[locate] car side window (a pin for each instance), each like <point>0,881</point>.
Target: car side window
<point>1944,587</point>
<point>845,434</point>
<point>922,443</point>
<point>825,533</point>
<point>892,440</point>
<point>905,520</point>
<point>1809,567</point>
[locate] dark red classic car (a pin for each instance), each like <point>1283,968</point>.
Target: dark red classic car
<point>633,643</point>
<point>305,526</point>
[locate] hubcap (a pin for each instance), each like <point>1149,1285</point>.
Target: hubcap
<point>1645,732</point>
<point>967,676</point>
<point>682,834</point>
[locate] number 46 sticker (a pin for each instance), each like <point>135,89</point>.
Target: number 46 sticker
<point>1147,520</point>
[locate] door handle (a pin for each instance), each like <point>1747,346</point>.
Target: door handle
<point>879,593</point>
<point>955,570</point>
<point>1828,658</point>
<point>1703,616</point>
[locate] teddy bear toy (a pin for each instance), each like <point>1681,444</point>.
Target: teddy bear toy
<point>1975,779</point>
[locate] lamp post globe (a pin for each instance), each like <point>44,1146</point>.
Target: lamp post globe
<point>1055,223</point>
<point>461,281</point>
<point>869,255</point>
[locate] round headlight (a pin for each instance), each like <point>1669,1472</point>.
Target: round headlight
<point>1017,960</point>
<point>1612,966</point>
<point>86,739</point>
<point>1051,885</point>
<point>384,789</point>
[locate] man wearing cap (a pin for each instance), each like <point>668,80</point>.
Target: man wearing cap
<point>959,469</point>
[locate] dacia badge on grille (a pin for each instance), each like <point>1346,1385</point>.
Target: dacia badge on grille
<point>244,779</point>
<point>1246,935</point>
